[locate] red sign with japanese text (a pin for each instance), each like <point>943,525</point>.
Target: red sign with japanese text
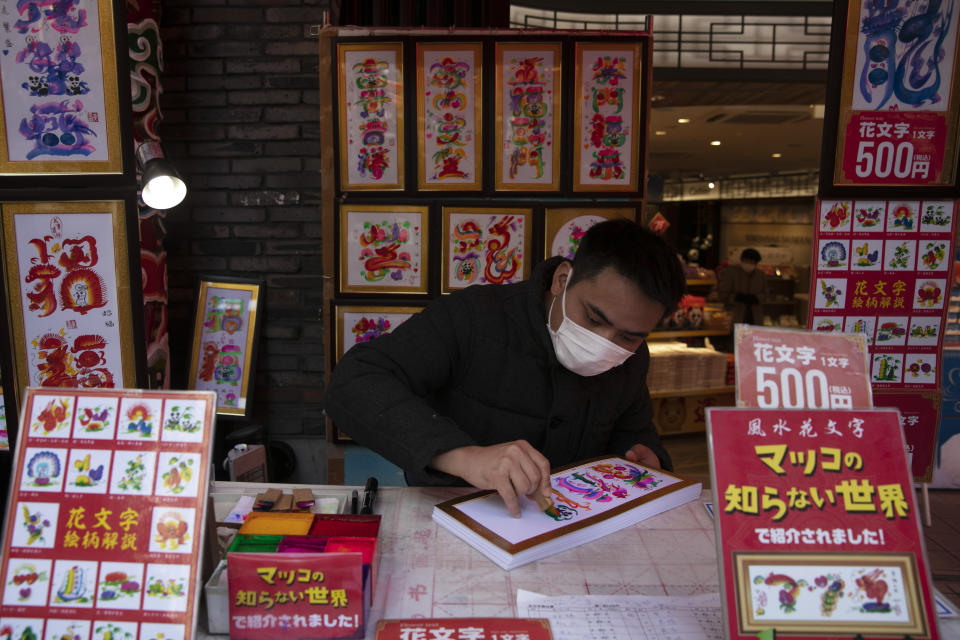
<point>295,595</point>
<point>782,368</point>
<point>893,148</point>
<point>103,526</point>
<point>457,628</point>
<point>920,419</point>
<point>817,526</point>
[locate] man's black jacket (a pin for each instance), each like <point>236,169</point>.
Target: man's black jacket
<point>477,367</point>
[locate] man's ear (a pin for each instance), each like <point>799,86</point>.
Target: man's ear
<point>560,275</point>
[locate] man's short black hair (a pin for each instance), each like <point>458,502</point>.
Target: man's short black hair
<point>637,254</point>
<point>751,255</point>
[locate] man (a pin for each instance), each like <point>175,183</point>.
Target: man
<point>742,288</point>
<point>494,385</point>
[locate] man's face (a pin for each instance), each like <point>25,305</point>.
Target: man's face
<point>608,304</point>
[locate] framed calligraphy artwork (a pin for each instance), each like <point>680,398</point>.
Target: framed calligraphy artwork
<point>224,347</point>
<point>362,323</point>
<point>383,249</point>
<point>370,94</point>
<point>485,246</point>
<point>69,292</point>
<point>565,227</point>
<point>449,96</point>
<point>61,107</point>
<point>897,118</point>
<point>607,133</point>
<point>528,116</point>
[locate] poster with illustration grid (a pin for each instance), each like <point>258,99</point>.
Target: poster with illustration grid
<point>103,529</point>
<point>882,268</point>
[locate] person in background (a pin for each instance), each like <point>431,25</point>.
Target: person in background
<point>492,386</point>
<point>742,288</point>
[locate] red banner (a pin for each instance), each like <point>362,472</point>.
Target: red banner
<point>296,595</point>
<point>779,368</point>
<point>818,525</point>
<point>893,148</point>
<point>920,418</point>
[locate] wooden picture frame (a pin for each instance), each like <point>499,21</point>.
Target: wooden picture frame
<point>226,332</point>
<point>874,133</point>
<point>383,249</point>
<point>564,227</point>
<point>608,97</point>
<point>370,107</point>
<point>528,116</point>
<point>71,293</point>
<point>449,121</point>
<point>485,245</point>
<point>57,121</point>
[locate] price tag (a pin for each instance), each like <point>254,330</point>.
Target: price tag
<point>784,369</point>
<point>893,147</point>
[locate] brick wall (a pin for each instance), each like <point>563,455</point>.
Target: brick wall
<point>240,121</point>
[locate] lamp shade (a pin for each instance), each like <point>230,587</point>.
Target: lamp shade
<point>162,186</point>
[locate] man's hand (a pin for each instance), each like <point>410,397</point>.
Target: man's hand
<point>643,455</point>
<point>513,469</point>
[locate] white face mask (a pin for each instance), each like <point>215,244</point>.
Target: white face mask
<point>580,350</point>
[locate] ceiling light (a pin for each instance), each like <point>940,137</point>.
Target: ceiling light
<point>683,120</point>
<point>163,188</point>
<point>660,133</point>
<point>776,155</point>
<point>711,185</point>
<point>714,143</point>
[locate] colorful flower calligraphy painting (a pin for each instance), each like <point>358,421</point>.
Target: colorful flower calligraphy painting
<point>936,216</point>
<point>27,582</point>
<point>68,270</point>
<point>52,418</point>
<point>356,324</point>
<point>45,469</point>
<point>87,471</point>
<point>96,418</point>
<point>177,474</point>
<point>606,126</point>
<point>370,81</point>
<point>448,116</point>
<point>905,56</point>
<point>133,472</point>
<point>114,630</point>
<point>120,585</point>
<point>222,354</point>
<point>36,525</point>
<point>528,116</point>
<point>383,249</point>
<point>74,583</point>
<point>139,419</point>
<point>869,216</point>
<point>59,88</point>
<point>924,331</point>
<point>835,215</point>
<point>166,588</point>
<point>172,530</point>
<point>485,246</point>
<point>565,228</point>
<point>863,325</point>
<point>578,493</point>
<point>805,593</point>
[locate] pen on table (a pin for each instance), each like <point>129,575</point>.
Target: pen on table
<point>353,502</point>
<point>369,495</point>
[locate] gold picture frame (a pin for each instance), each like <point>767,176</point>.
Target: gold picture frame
<point>616,97</point>
<point>383,249</point>
<point>491,229</point>
<point>750,622</point>
<point>221,361</point>
<point>347,314</point>
<point>449,128</point>
<point>370,110</point>
<point>69,301</point>
<point>555,219</point>
<point>69,114</point>
<point>526,93</point>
